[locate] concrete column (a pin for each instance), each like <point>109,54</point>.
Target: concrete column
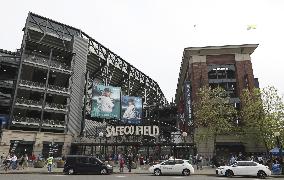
<point>38,143</point>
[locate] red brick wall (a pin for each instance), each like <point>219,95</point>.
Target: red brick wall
<point>199,77</point>
<point>243,68</point>
<point>220,59</point>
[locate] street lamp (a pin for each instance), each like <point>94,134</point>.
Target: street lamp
<point>101,135</point>
<point>184,135</point>
<point>279,145</point>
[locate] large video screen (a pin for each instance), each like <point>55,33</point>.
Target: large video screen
<point>131,108</point>
<point>105,102</point>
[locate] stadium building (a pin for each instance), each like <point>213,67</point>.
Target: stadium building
<point>46,94</point>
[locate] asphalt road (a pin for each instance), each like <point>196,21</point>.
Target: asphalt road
<point>116,177</point>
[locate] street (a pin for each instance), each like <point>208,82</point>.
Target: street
<point>114,177</point>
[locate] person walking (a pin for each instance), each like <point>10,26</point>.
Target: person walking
<point>14,161</point>
<point>25,161</point>
<point>49,163</point>
<point>129,162</point>
<point>121,164</point>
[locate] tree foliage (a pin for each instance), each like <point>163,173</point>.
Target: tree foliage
<point>262,114</point>
<point>214,112</point>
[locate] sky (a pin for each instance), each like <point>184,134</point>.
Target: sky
<point>152,34</point>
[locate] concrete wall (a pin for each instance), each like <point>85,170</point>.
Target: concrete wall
<point>37,137</point>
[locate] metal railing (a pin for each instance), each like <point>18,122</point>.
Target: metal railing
<point>58,88</point>
<point>36,122</point>
<point>28,102</point>
<point>55,106</point>
<point>26,120</point>
<point>32,83</point>
<point>53,123</point>
<point>59,65</point>
<point>55,63</point>
<point>42,86</point>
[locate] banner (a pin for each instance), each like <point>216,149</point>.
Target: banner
<point>105,102</point>
<point>131,108</point>
<point>187,100</point>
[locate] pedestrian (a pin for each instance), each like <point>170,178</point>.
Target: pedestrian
<point>49,163</point>
<point>25,161</point>
<point>121,164</point>
<point>14,161</point>
<point>199,161</point>
<point>129,162</point>
<point>21,161</point>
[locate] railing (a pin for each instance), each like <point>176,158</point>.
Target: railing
<point>58,88</point>
<point>55,106</point>
<point>59,65</point>
<point>32,84</point>
<point>53,123</point>
<point>36,121</point>
<point>28,102</point>
<point>42,86</point>
<point>36,60</point>
<point>55,63</point>
<point>26,120</point>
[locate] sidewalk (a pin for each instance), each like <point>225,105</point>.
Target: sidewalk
<point>204,171</point>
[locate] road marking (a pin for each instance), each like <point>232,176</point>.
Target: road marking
<point>178,177</point>
<point>120,176</point>
<point>222,178</point>
<point>57,175</point>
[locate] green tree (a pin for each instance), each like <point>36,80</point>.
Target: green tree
<point>213,113</point>
<point>262,114</point>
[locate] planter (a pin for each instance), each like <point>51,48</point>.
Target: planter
<point>39,164</point>
<point>60,164</point>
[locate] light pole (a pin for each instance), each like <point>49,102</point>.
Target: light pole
<point>279,145</point>
<point>101,135</point>
<point>184,135</point>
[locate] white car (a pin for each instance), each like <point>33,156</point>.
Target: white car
<point>172,166</point>
<point>244,168</point>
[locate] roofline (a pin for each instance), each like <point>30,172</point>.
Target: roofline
<point>221,47</point>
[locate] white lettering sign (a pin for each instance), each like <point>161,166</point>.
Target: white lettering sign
<point>132,130</point>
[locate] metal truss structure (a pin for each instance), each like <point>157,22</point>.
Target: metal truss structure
<point>102,63</point>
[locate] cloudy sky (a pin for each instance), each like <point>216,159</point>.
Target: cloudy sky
<point>151,34</point>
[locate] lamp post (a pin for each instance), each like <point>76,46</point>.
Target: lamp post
<point>279,145</point>
<point>101,135</point>
<point>184,135</point>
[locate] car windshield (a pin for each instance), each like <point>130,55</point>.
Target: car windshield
<point>99,160</point>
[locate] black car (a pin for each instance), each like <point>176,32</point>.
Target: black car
<point>78,164</point>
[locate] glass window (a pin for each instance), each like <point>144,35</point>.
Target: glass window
<point>94,161</point>
<point>83,160</point>
<point>179,161</point>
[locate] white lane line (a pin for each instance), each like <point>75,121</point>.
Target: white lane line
<point>178,177</point>
<point>120,176</point>
<point>57,175</point>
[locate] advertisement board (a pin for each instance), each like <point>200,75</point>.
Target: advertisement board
<point>105,102</point>
<point>131,108</point>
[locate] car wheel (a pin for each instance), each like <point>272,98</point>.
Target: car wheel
<point>70,171</point>
<point>229,173</point>
<point>104,171</point>
<point>261,175</point>
<point>157,172</point>
<point>186,172</point>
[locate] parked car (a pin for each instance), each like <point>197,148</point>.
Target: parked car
<point>172,166</point>
<point>244,168</point>
<point>78,164</point>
